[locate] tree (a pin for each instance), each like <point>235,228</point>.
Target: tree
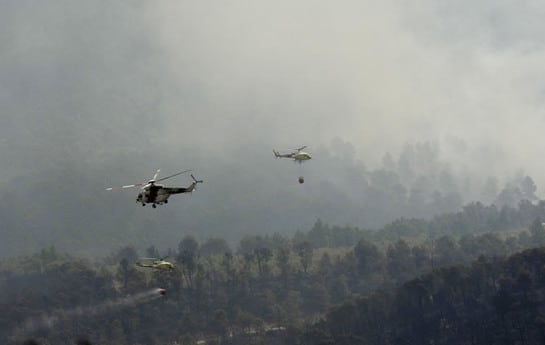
<point>127,252</point>
<point>220,323</point>
<point>509,196</point>
<point>325,267</point>
<point>490,189</point>
<point>129,276</point>
<point>262,255</point>
<point>152,252</point>
<point>538,232</point>
<point>446,250</point>
<point>304,251</point>
<point>282,259</point>
<point>214,246</point>
<point>247,244</point>
<point>339,290</point>
<point>528,188</point>
<point>319,235</point>
<point>188,245</point>
<point>124,272</point>
<point>316,297</point>
<point>399,261</point>
<point>369,257</point>
<point>490,244</point>
<point>187,256</point>
<point>421,257</point>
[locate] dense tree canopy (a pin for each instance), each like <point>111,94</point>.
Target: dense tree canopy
<point>274,287</point>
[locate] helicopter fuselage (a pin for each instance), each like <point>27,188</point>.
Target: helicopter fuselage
<point>158,194</point>
<point>158,265</point>
<point>152,193</point>
<point>301,156</point>
<point>163,265</point>
<point>298,156</point>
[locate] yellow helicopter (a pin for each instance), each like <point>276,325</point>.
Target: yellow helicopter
<point>158,264</point>
<point>158,194</point>
<point>298,155</point>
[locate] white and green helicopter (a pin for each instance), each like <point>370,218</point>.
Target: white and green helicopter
<point>157,264</point>
<point>298,155</point>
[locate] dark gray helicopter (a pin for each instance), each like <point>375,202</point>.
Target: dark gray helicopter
<point>157,194</point>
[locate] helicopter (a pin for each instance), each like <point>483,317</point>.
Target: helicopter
<point>158,264</point>
<point>158,194</point>
<point>297,155</point>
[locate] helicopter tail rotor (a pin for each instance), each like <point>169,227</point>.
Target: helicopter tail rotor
<point>194,184</point>
<point>195,180</point>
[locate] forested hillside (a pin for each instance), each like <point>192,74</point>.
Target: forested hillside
<point>491,301</point>
<point>272,289</point>
<point>416,217</point>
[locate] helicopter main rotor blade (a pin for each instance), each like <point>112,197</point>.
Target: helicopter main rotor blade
<point>156,174</point>
<point>126,186</point>
<point>181,172</point>
<point>152,181</point>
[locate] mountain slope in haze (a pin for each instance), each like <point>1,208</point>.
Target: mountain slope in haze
<point>244,192</point>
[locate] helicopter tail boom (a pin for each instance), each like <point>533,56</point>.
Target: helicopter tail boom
<point>138,263</point>
<point>179,190</point>
<point>279,155</point>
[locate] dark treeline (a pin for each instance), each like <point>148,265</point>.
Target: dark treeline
<point>474,218</point>
<point>267,290</point>
<point>493,301</point>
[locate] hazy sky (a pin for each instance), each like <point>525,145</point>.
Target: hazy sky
<point>116,87</point>
<point>220,74</point>
<point>372,74</point>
